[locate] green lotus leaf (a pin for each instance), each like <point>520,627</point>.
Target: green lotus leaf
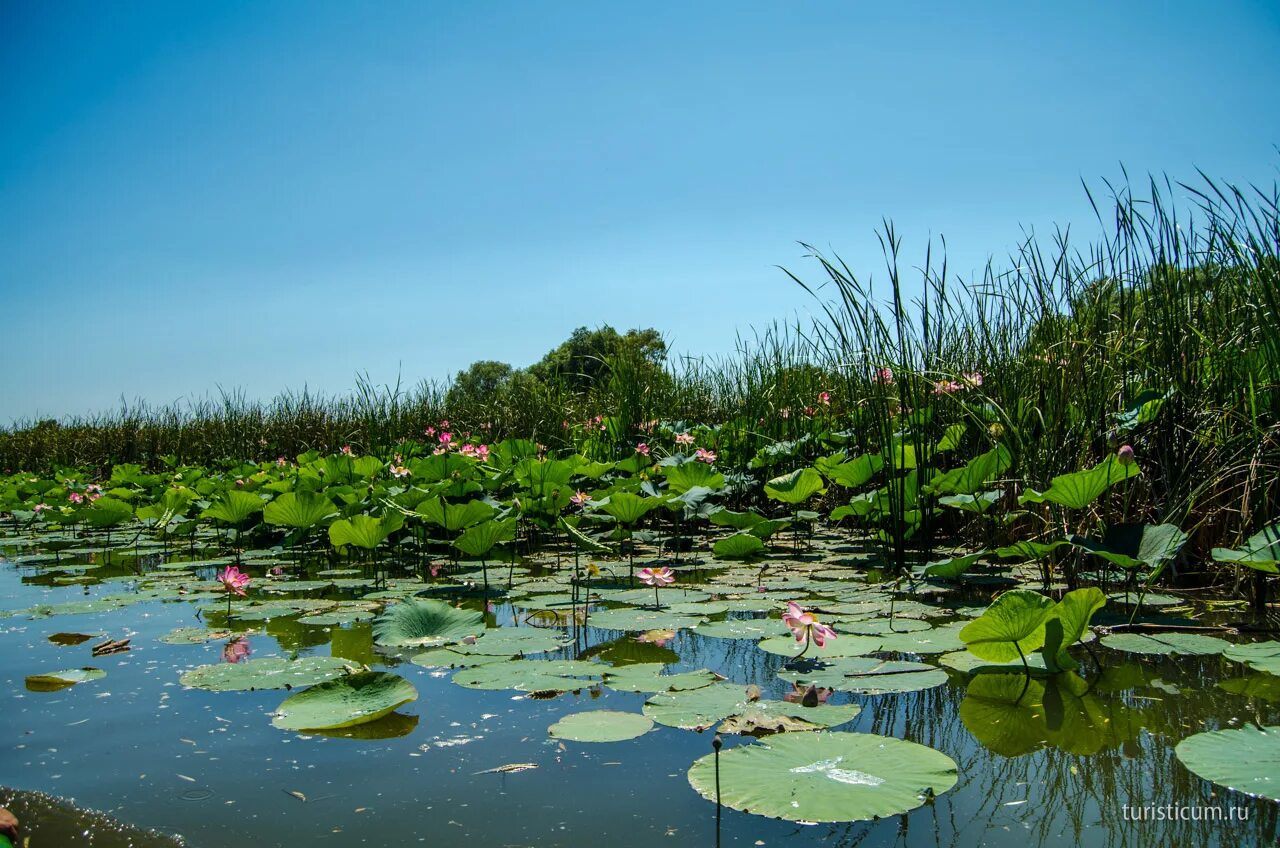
<point>844,645</point>
<point>681,478</point>
<point>1005,712</point>
<point>1264,686</point>
<point>630,619</point>
<point>511,641</point>
<point>600,726</point>
<point>54,680</point>
<point>850,474</point>
<point>966,663</point>
<point>1246,759</point>
<point>739,546</point>
<point>648,677</point>
<point>265,673</point>
<point>979,503</point>
<point>194,636</point>
<point>354,699</point>
<point>1185,644</point>
<point>795,488</point>
<point>302,510</point>
<point>1066,623</point>
<point>532,675</point>
<point>868,676</point>
<point>737,520</point>
<point>480,539</point>
<point>234,507</point>
<point>454,517</point>
<point>974,475</point>
<point>1012,627</point>
<point>825,777</point>
<point>1260,551</point>
<point>425,623</point>
<point>629,508</point>
<point>952,568</point>
<point>1081,488</point>
<point>1259,656</point>
<point>1135,545</point>
<point>364,531</point>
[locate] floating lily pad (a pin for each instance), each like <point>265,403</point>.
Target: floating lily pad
<point>868,676</point>
<point>265,673</point>
<point>648,677</point>
<point>825,777</point>
<point>885,626</point>
<point>194,636</point>
<point>449,658</point>
<point>68,639</point>
<point>1259,656</point>
<point>54,680</point>
<point>1246,759</point>
<point>846,645</point>
<point>631,619</point>
<point>354,699</point>
<point>601,726</point>
<point>425,623</point>
<point>510,641</point>
<point>532,675</point>
<point>669,595</point>
<point>967,663</point>
<point>338,617</point>
<point>1186,644</point>
<point>699,709</point>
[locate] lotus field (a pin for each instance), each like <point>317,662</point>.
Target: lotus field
<point>984,578</point>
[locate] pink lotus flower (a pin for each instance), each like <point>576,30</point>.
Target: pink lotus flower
<point>1125,455</point>
<point>805,626</point>
<point>399,472</point>
<point>236,650</point>
<point>684,438</point>
<point>657,576</point>
<point>429,432</point>
<point>39,508</point>
<point>704,455</point>
<point>884,376</point>
<point>234,580</point>
<point>444,425</point>
<point>642,449</point>
<point>946,387</point>
<point>579,498</point>
<point>281,462</point>
<point>346,450</point>
<point>76,498</point>
<point>93,489</point>
<point>446,437</point>
<point>824,398</point>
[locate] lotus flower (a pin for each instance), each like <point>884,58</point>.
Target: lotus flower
<point>399,471</point>
<point>580,498</point>
<point>281,462</point>
<point>824,398</point>
<point>973,379</point>
<point>429,432</point>
<point>704,455</point>
<point>76,498</point>
<point>684,438</point>
<point>236,650</point>
<point>234,580</point>
<point>93,489</point>
<point>642,449</point>
<point>1125,455</point>
<point>884,376</point>
<point>805,626</point>
<point>657,577</point>
<point>346,450</point>
<point>446,437</point>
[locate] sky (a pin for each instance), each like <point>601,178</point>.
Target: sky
<point>262,196</point>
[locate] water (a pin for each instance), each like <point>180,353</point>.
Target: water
<point>209,765</point>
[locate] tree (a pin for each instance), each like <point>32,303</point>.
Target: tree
<point>480,382</point>
<point>582,361</point>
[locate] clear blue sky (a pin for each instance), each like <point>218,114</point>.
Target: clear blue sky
<point>269,194</point>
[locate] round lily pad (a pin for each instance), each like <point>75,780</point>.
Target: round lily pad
<point>825,777</point>
<point>741,628</point>
<point>885,626</point>
<point>1246,759</point>
<point>338,617</point>
<point>868,676</point>
<point>699,709</point>
<point>966,663</point>
<point>601,726</point>
<point>632,619</point>
<point>510,641</point>
<point>1259,656</point>
<point>350,700</point>
<point>193,636</point>
<point>448,658</point>
<point>1186,644</point>
<point>532,675</point>
<point>845,645</point>
<point>54,680</point>
<point>265,673</point>
<point>648,677</point>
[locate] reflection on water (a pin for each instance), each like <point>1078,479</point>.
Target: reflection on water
<point>1042,760</point>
